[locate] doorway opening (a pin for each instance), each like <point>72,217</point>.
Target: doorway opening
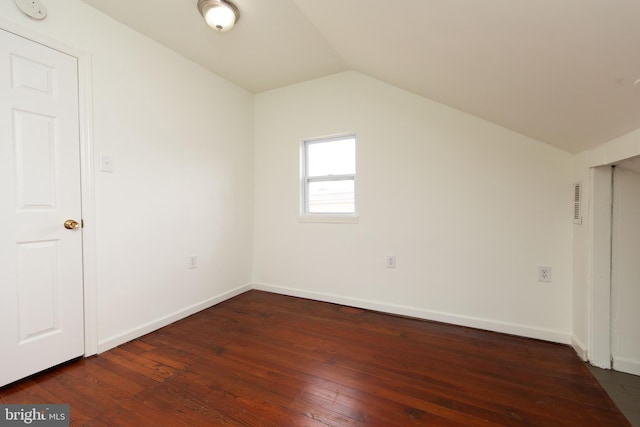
<point>615,267</point>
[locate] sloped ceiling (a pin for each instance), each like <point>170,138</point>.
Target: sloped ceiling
<point>562,72</point>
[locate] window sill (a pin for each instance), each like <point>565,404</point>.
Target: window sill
<point>330,218</point>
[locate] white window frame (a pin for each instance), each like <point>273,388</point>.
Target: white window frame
<point>335,217</point>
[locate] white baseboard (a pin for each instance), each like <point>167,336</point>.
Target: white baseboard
<point>629,366</point>
<point>139,331</point>
<point>472,322</point>
<point>580,348</point>
<point>601,365</point>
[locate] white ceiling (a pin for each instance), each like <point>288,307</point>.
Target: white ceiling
<point>560,71</point>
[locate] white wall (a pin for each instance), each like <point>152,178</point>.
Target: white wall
<point>181,140</point>
<point>625,279</point>
<point>581,253</point>
<point>469,209</point>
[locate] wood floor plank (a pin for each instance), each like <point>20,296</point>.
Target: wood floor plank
<point>262,359</point>
<point>136,363</point>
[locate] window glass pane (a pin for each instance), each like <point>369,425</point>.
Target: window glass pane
<point>331,197</point>
<point>336,157</point>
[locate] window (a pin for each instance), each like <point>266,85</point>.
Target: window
<point>328,176</point>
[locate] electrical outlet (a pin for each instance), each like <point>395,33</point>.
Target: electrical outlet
<point>192,261</point>
<point>391,261</point>
<point>544,274</point>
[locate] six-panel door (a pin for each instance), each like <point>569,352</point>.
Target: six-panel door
<point>41,289</point>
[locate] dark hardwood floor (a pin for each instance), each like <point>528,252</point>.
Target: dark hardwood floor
<point>262,359</point>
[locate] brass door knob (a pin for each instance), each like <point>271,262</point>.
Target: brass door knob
<point>71,224</point>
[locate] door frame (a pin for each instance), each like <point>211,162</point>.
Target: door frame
<point>599,301</point>
<point>87,177</point>
<point>599,310</point>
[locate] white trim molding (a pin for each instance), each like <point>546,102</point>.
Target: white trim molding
<point>628,366</point>
<point>419,313</point>
<point>116,340</point>
<point>599,303</point>
<point>580,348</point>
<point>335,219</point>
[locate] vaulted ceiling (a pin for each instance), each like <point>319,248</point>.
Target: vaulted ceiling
<point>562,72</point>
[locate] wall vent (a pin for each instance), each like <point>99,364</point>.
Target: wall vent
<point>577,202</point>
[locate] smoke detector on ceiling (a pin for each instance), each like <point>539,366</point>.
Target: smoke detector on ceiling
<point>32,8</point>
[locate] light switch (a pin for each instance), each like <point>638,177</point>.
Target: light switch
<point>106,163</point>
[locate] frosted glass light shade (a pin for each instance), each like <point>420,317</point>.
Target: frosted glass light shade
<point>219,14</point>
<point>221,18</point>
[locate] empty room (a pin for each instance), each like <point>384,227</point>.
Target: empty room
<point>319,213</point>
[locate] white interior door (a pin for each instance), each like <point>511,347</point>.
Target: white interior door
<point>41,288</point>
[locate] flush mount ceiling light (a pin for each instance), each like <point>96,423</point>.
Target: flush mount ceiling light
<point>219,14</point>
